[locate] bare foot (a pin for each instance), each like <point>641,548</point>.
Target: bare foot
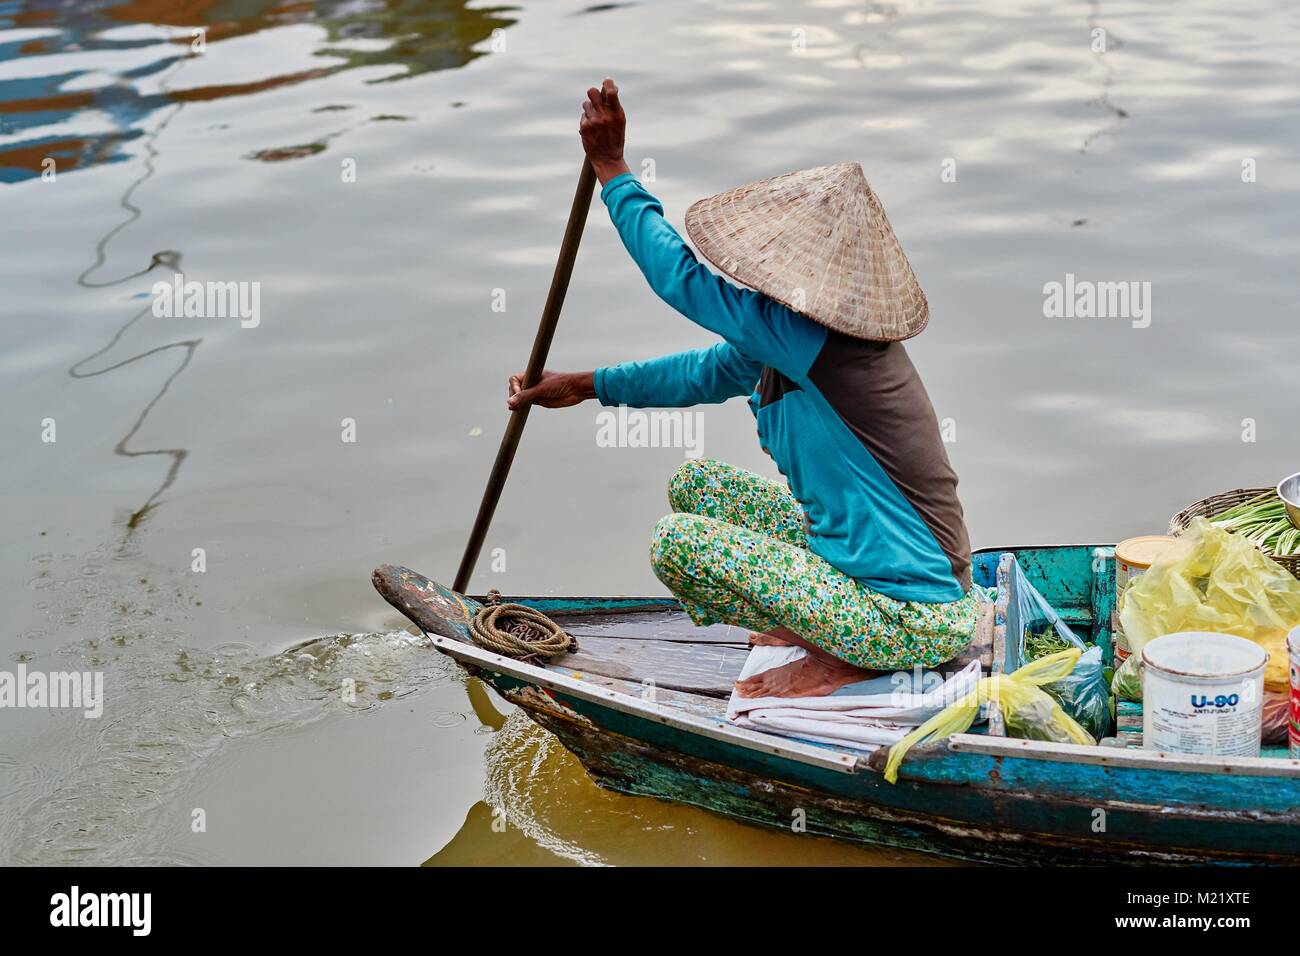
<point>807,677</point>
<point>777,637</point>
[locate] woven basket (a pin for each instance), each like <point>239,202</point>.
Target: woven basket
<point>1216,504</point>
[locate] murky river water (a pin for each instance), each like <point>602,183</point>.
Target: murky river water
<point>392,172</point>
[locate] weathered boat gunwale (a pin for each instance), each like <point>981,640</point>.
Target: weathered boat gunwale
<point>812,754</point>
<point>1115,757</point>
<point>851,761</point>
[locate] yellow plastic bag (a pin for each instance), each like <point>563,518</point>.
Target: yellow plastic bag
<point>1026,711</point>
<point>1225,585</point>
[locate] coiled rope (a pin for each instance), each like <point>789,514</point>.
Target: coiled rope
<point>518,631</point>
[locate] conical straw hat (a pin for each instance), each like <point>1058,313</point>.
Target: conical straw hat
<point>819,242</point>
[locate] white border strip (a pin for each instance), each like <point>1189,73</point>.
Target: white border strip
<point>1116,757</point>
<point>552,680</point>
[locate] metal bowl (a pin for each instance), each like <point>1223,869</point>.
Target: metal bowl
<point>1288,489</point>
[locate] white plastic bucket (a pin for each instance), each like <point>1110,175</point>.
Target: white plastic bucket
<point>1203,693</point>
<point>1293,723</point>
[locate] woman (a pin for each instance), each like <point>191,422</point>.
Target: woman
<point>864,562</point>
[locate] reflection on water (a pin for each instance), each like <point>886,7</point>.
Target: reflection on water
<point>397,39</point>
<point>1104,42</point>
<point>177,455</point>
<point>540,809</point>
<point>106,792</point>
<point>168,259</point>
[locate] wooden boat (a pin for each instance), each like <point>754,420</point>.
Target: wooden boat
<point>642,705</point>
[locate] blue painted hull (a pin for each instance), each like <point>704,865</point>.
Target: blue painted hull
<point>967,805</point>
<point>971,806</point>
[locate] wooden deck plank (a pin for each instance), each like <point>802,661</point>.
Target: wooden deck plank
<point>658,625</point>
<point>693,668</point>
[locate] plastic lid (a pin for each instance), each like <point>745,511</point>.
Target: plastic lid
<point>1143,550</point>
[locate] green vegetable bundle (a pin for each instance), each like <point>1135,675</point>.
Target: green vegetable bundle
<point>1264,523</point>
<point>1044,642</point>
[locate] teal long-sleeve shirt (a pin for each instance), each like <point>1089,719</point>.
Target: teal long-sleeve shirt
<point>847,422</point>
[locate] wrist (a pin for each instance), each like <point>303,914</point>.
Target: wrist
<point>583,384</point>
<point>607,169</point>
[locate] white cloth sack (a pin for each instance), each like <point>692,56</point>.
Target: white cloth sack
<point>866,714</point>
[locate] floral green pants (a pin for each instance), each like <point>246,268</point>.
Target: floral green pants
<point>736,551</point>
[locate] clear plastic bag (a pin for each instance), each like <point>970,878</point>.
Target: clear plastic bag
<point>1084,692</point>
<point>1026,710</point>
<point>1127,684</point>
<point>1275,717</point>
<point>1224,584</point>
